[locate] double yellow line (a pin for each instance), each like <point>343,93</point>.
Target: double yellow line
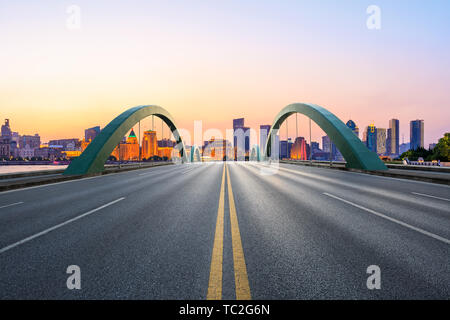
<point>240,269</point>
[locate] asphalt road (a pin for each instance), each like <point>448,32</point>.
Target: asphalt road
<point>197,230</point>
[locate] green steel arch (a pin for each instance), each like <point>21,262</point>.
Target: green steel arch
<point>195,154</point>
<point>93,159</point>
<point>353,150</point>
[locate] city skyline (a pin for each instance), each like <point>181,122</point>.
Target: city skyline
<point>382,141</point>
<point>105,66</point>
<point>400,136</point>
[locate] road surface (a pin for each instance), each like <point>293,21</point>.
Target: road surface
<point>243,231</point>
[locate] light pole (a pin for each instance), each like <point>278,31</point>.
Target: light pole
<point>310,144</point>
<point>139,142</point>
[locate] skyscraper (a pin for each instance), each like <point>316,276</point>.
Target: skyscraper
<point>298,150</point>
<point>326,144</point>
<point>149,144</point>
<point>393,137</point>
<point>6,130</point>
<point>263,133</point>
<point>129,150</point>
<point>416,128</point>
<point>352,125</point>
<point>285,148</point>
<point>329,147</point>
<point>381,141</point>
<point>370,135</point>
<point>91,133</point>
<point>241,139</point>
<point>238,123</point>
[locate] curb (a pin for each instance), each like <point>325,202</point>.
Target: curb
<point>378,173</point>
<point>75,177</point>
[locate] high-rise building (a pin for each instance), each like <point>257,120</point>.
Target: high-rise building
<point>285,148</point>
<point>352,125</point>
<point>330,148</point>
<point>416,134</point>
<point>315,148</point>
<point>241,139</point>
<point>263,134</point>
<point>326,144</point>
<point>238,123</point>
<point>381,141</point>
<point>370,135</point>
<point>298,150</point>
<point>149,144</point>
<point>128,150</point>
<point>91,133</point>
<point>4,148</point>
<point>393,137</point>
<point>6,130</point>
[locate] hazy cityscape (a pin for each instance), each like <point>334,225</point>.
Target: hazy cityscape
<point>385,142</point>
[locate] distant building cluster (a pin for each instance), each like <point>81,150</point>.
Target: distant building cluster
<point>150,149</point>
<point>13,145</point>
<point>386,142</point>
<point>383,141</point>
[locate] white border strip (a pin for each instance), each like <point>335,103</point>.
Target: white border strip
<point>432,235</point>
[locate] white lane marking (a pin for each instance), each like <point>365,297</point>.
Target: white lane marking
<point>358,186</point>
<point>187,170</point>
<point>427,195</point>
<point>10,205</point>
<point>172,167</point>
<point>151,171</point>
<point>432,235</point>
<point>18,243</point>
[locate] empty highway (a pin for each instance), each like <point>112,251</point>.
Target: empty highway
<point>234,231</point>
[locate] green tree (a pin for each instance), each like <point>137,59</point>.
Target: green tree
<point>413,155</point>
<point>442,149</point>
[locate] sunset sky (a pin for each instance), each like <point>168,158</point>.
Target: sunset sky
<point>218,60</point>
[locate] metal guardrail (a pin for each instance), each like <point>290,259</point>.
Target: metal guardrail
<point>389,165</point>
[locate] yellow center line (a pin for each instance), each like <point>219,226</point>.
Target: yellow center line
<point>240,269</point>
<point>215,275</point>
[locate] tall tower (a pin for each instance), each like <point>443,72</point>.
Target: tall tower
<point>352,125</point>
<point>6,130</point>
<point>149,144</point>
<point>381,141</point>
<point>394,136</point>
<point>371,137</point>
<point>416,128</point>
<point>263,134</point>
